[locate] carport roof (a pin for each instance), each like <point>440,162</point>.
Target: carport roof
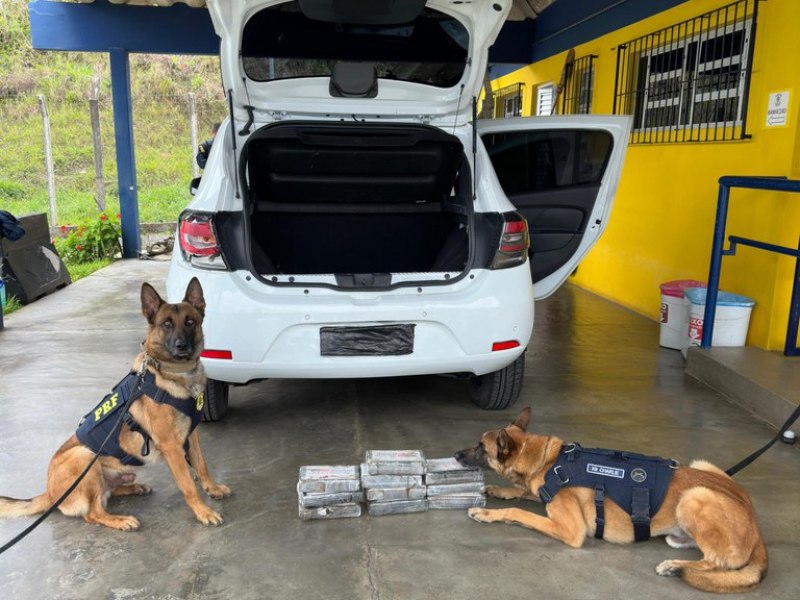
<point>559,25</point>
<point>521,9</point>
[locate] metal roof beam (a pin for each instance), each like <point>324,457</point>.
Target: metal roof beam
<point>100,26</point>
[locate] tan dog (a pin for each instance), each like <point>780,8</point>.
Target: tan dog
<point>171,357</point>
<point>703,508</point>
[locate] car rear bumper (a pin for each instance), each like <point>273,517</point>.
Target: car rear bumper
<point>274,332</point>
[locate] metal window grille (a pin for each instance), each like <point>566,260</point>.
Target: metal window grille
<point>508,101</point>
<point>689,82</point>
<point>544,99</point>
<point>577,96</point>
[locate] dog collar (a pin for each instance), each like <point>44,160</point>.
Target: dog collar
<point>166,367</point>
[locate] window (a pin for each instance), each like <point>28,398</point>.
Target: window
<point>689,82</point>
<point>577,96</point>
<point>508,101</point>
<point>544,99</point>
<point>536,161</point>
<point>280,42</point>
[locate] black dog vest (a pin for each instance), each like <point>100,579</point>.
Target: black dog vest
<point>96,425</point>
<point>635,482</point>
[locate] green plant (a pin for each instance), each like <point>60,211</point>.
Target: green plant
<point>94,240</point>
<point>12,304</point>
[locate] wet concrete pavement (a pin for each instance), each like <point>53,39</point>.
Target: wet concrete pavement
<point>595,374</point>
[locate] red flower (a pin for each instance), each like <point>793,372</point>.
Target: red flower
<point>78,247</point>
<point>63,229</point>
<point>119,216</point>
<point>104,217</point>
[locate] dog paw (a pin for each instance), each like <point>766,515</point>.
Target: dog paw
<point>218,491</point>
<point>141,489</point>
<point>669,568</point>
<point>124,523</point>
<point>208,516</point>
<point>494,491</point>
<point>481,515</point>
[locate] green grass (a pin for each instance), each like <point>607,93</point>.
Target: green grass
<point>164,152</point>
<point>79,271</point>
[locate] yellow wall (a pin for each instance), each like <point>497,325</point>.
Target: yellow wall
<point>663,217</point>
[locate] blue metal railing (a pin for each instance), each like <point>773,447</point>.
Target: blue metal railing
<point>777,184</point>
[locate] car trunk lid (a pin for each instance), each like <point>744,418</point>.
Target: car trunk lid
<point>280,60</point>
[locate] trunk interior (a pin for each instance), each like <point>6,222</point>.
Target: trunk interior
<point>332,198</point>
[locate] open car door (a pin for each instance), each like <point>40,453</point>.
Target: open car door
<point>561,173</point>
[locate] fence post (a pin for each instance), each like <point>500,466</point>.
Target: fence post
<point>48,159</point>
<point>193,128</point>
<point>94,112</point>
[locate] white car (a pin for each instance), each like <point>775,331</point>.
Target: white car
<point>352,222</point>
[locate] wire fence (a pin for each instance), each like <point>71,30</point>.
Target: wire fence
<point>59,152</point>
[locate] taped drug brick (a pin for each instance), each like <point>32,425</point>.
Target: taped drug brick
<point>377,509</point>
<point>448,501</point>
<point>388,481</point>
<point>448,477</point>
<point>395,462</point>
<point>330,472</point>
<point>328,486</point>
<point>338,511</point>
<point>390,494</point>
<point>315,500</point>
<point>455,488</point>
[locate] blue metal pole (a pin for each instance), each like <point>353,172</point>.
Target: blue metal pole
<point>790,347</point>
<point>716,264</point>
<point>126,159</point>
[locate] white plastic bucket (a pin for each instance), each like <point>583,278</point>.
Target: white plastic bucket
<point>675,312</point>
<point>731,321</point>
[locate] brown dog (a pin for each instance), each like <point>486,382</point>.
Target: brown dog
<point>165,400</point>
<point>703,507</point>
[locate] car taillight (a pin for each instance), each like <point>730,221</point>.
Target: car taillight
<point>218,354</point>
<point>507,345</point>
<point>514,242</point>
<point>198,241</point>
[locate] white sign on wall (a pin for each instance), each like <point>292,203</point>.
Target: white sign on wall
<point>778,109</point>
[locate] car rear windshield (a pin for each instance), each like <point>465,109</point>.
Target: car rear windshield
<point>280,42</point>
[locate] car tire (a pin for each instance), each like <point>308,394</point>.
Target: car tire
<point>499,389</point>
<point>216,402</point>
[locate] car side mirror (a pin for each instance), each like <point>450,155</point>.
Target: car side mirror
<point>193,185</point>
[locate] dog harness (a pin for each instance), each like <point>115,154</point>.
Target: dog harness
<point>635,482</point>
<point>95,426</point>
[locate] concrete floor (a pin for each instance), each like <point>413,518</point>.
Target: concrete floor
<point>595,374</point>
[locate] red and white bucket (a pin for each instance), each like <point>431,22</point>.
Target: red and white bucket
<point>675,312</point>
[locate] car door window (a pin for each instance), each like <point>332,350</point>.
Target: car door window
<point>536,161</point>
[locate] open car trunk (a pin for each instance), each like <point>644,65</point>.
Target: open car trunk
<point>358,201</point>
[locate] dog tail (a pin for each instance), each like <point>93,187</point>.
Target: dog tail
<point>727,581</point>
<point>11,508</point>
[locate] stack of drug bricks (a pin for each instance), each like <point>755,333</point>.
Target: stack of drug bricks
<point>451,485</point>
<point>329,492</point>
<point>393,481</point>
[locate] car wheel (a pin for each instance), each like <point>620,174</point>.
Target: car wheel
<point>500,389</point>
<point>216,404</point>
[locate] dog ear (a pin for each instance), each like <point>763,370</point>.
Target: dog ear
<point>194,296</point>
<point>523,418</point>
<point>151,302</point>
<point>504,445</point>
